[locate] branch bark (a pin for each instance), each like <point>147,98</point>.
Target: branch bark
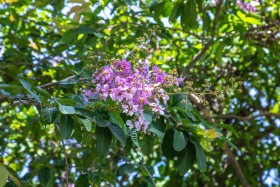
<point>236,167</point>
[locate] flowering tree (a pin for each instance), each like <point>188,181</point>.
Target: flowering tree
<point>161,114</point>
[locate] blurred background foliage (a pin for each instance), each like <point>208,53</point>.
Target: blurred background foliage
<point>218,42</point>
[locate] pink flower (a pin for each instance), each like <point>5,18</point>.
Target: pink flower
<point>132,89</point>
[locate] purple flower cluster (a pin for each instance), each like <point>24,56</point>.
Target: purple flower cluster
<point>245,6</point>
<point>132,88</point>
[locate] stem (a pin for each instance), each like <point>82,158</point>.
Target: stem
<point>66,160</point>
<point>140,161</point>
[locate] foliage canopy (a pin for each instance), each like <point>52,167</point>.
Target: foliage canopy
<point>50,137</point>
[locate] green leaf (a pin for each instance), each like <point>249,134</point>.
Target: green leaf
<point>219,52</point>
<point>42,92</point>
<point>94,178</point>
<point>206,144</point>
<point>125,169</point>
<point>175,12</point>
<point>186,159</point>
<point>86,123</point>
<point>85,112</point>
<point>147,144</point>
<point>87,138</point>
<point>189,14</point>
<point>153,128</point>
<point>66,109</point>
<point>12,89</point>
<point>44,175</point>
<point>118,133</point>
<point>69,36</point>
<point>148,117</point>
<point>3,175</point>
<point>14,179</point>
<point>93,116</point>
<point>25,83</point>
<point>201,159</point>
<point>177,98</point>
<point>179,141</point>
<point>117,119</point>
<point>250,20</point>
<point>82,181</point>
<point>134,138</point>
<point>69,102</point>
<point>167,8</point>
<point>103,141</point>
<point>167,144</point>
<point>49,114</point>
<point>66,126</point>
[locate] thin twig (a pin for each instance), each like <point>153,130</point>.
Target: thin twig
<point>57,82</point>
<point>140,161</point>
<point>66,160</point>
<point>246,118</point>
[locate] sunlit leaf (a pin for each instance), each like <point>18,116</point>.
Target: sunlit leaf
<point>66,109</point>
<point>3,175</point>
<point>206,144</point>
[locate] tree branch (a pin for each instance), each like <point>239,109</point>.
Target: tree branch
<point>234,163</point>
<point>208,44</point>
<point>195,59</point>
<point>236,167</point>
<point>57,82</point>
<point>246,118</point>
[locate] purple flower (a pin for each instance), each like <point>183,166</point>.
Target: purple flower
<point>245,6</point>
<point>130,124</point>
<point>106,75</point>
<point>87,94</point>
<point>117,94</point>
<point>157,108</point>
<point>132,89</point>
<point>123,65</point>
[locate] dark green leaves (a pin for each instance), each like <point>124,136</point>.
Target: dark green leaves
<point>82,181</point>
<point>66,126</point>
<point>201,159</point>
<point>179,140</point>
<point>49,114</point>
<point>175,13</point>
<point>125,169</point>
<point>147,144</point>
<point>116,119</point>
<point>44,175</point>
<point>26,84</point>
<point>189,14</point>
<point>118,133</point>
<point>186,158</point>
<point>167,144</point>
<point>103,141</point>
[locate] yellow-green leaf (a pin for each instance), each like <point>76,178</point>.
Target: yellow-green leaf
<point>206,144</point>
<point>3,175</point>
